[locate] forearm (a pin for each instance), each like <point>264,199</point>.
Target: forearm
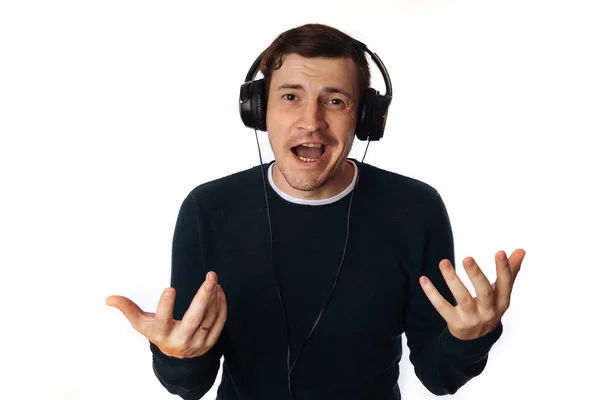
<point>444,363</point>
<point>190,378</point>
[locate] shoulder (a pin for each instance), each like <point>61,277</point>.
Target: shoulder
<point>414,204</point>
<point>230,191</point>
<point>396,187</point>
<point>229,183</point>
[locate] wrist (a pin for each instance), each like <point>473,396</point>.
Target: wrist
<point>473,332</point>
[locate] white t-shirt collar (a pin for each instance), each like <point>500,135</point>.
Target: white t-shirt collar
<point>319,202</point>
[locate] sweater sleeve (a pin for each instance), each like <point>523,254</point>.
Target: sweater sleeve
<point>189,378</point>
<point>442,362</point>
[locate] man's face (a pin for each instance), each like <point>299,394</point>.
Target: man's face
<point>312,102</point>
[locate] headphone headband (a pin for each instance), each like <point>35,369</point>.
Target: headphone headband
<point>381,66</point>
<point>255,67</point>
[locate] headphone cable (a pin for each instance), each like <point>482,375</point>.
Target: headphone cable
<point>273,262</point>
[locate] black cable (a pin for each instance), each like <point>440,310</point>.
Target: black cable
<point>273,262</point>
<point>341,262</point>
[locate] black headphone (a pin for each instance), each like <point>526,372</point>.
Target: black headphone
<point>372,110</point>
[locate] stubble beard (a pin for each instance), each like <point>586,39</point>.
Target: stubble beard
<point>310,184</point>
<point>304,185</point>
<point>313,184</point>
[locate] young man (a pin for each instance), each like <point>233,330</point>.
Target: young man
<point>306,284</point>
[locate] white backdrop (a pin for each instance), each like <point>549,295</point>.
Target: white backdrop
<point>111,111</point>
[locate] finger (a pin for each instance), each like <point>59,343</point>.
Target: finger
<point>515,261</point>
<point>483,288</point>
<point>217,327</point>
<point>195,313</point>
<point>210,314</point>
<point>459,291</point>
<point>442,306</point>
<point>134,314</point>
<point>504,281</point>
<point>163,320</point>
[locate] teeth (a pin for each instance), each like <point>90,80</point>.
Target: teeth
<point>307,159</point>
<point>311,144</point>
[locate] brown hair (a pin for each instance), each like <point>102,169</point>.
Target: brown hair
<point>315,40</point>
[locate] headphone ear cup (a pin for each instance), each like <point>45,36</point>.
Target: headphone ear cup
<point>259,104</point>
<point>363,122</point>
<point>379,116</point>
<point>372,115</point>
<point>253,105</point>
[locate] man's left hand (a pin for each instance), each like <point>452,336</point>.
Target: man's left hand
<point>474,317</point>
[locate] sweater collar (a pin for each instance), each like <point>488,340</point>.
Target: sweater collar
<point>319,202</point>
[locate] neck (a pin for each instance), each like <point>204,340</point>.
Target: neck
<point>333,187</point>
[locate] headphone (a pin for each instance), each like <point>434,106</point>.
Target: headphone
<point>372,109</point>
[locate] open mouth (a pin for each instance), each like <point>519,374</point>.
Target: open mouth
<point>309,152</point>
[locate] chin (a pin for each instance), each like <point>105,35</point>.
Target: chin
<point>306,185</point>
<point>306,176</point>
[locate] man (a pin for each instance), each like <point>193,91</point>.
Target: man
<point>311,279</point>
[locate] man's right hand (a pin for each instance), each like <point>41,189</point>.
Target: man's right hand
<point>198,330</point>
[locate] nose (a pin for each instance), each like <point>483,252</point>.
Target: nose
<point>313,118</point>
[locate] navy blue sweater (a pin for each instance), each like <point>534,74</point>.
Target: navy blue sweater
<point>399,230</point>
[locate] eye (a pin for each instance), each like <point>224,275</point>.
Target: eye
<point>289,96</point>
<point>336,102</point>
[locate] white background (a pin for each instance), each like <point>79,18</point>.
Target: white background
<point>111,111</point>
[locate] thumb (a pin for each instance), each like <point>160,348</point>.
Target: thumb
<point>134,314</point>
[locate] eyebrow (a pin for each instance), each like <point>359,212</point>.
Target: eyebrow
<point>328,89</point>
